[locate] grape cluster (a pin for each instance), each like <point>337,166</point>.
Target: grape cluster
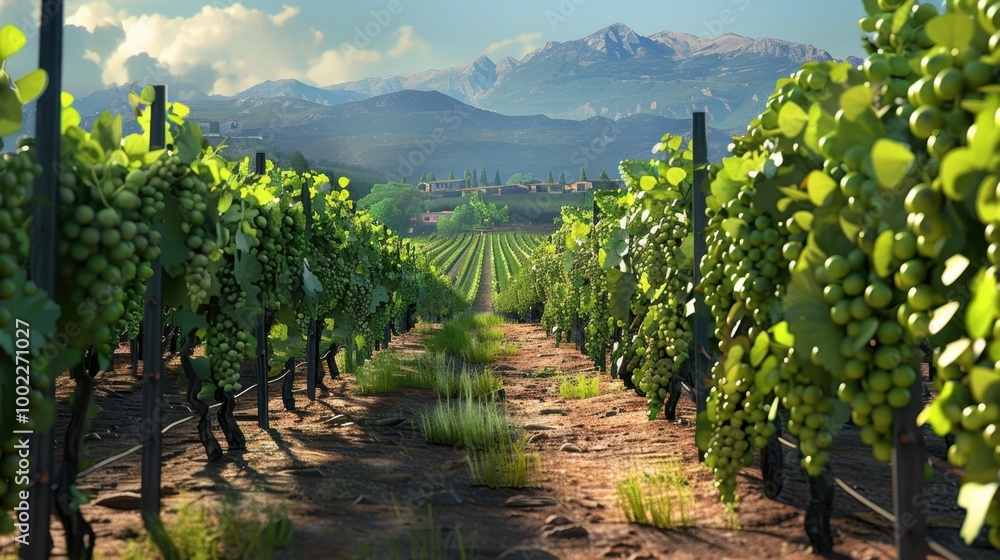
<point>664,339</point>
<point>17,174</point>
<point>169,175</point>
<point>226,346</point>
<point>106,246</point>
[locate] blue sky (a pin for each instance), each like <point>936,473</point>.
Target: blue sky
<point>224,46</point>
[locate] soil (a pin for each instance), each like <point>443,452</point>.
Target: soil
<point>353,480</point>
<point>484,297</point>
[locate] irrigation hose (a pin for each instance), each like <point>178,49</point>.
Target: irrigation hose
<point>887,515</point>
<point>114,458</point>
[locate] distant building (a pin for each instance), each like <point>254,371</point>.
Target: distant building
<point>433,217</point>
<point>231,128</point>
<point>585,186</point>
<point>437,186</point>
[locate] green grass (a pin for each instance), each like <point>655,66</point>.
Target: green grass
<point>660,497</point>
<point>477,338</point>
<point>470,423</point>
<point>232,531</point>
<point>385,373</point>
<point>451,380</point>
<point>509,465</point>
<point>579,387</point>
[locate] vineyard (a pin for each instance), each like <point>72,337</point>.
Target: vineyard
<point>818,310</point>
<point>463,256</point>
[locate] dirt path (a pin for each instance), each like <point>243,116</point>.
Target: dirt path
<point>466,253</point>
<point>354,472</point>
<point>484,298</point>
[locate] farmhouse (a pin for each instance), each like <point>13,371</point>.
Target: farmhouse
<point>433,217</point>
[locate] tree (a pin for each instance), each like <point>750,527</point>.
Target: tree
<point>451,175</point>
<point>482,178</point>
<point>475,179</point>
<point>562,177</point>
<point>496,178</point>
<point>423,177</point>
<point>476,213</point>
<point>297,162</point>
<point>604,175</point>
<point>583,174</point>
<point>394,204</point>
<point>431,177</point>
<point>550,179</point>
<point>403,180</point>
<point>522,179</point>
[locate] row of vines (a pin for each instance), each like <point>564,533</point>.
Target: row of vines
<point>509,251</point>
<point>854,228</point>
<point>233,245</point>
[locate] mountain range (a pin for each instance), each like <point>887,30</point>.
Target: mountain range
<point>589,102</point>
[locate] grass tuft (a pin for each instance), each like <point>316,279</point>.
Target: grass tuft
<point>385,373</point>
<point>509,465</point>
<point>450,380</point>
<point>660,498</point>
<point>232,531</point>
<point>580,387</point>
<point>470,423</point>
<point>477,338</point>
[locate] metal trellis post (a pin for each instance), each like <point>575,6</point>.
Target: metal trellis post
<point>261,333</point>
<point>701,360</point>
<point>45,220</point>
<point>152,345</point>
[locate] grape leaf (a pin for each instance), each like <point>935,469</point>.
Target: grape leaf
<point>882,254</point>
<point>41,313</point>
<point>792,119</point>
<point>760,349</point>
<point>960,173</point>
<point>982,381</point>
<point>820,186</point>
<point>982,309</point>
<point>676,175</point>
<point>902,15</point>
<point>10,112</point>
<point>12,40</point>
<point>379,296</point>
<point>943,315</point>
<point>856,101</point>
<point>31,85</point>
<point>891,161</point>
<point>975,497</point>
<point>951,30</point>
<point>808,317</point>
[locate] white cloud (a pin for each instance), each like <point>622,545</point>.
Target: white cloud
<point>524,40</point>
<point>340,65</point>
<point>243,46</point>
<point>287,13</point>
<point>235,47</point>
<point>407,42</point>
<point>95,14</point>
